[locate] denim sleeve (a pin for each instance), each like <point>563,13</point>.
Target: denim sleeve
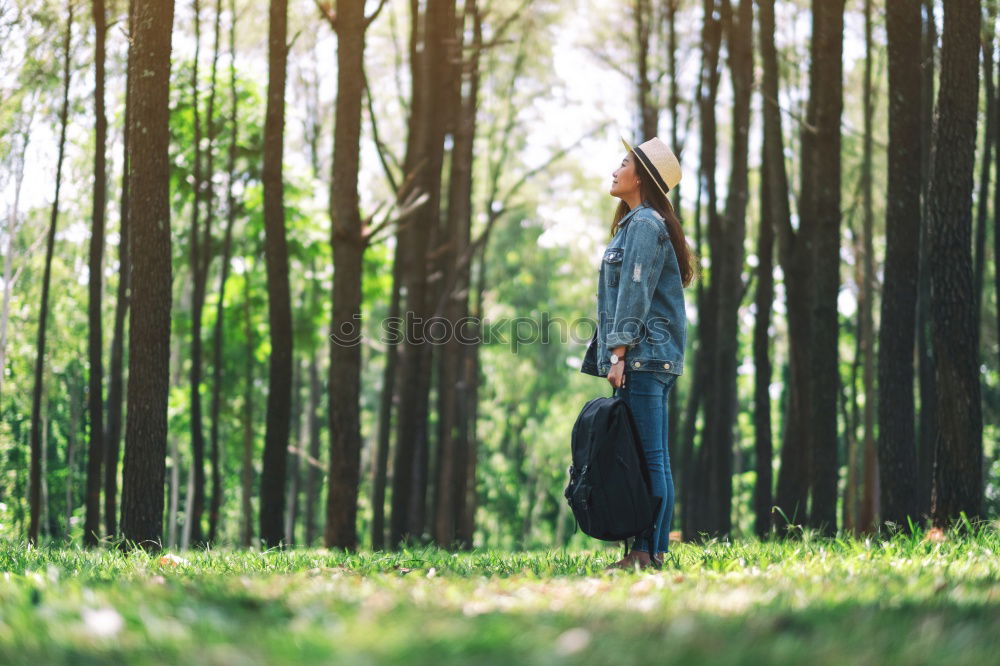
<point>642,263</point>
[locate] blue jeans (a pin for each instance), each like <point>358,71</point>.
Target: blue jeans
<point>646,395</point>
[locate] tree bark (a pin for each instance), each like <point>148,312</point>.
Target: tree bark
<point>897,453</point>
<point>452,446</point>
<point>95,398</point>
<point>958,445</point>
<point>925,349</point>
<point>430,70</point>
<point>213,511</point>
<point>112,443</point>
<point>272,486</point>
<point>196,501</point>
<point>821,193</point>
<point>711,41</point>
<point>349,240</point>
<point>35,483</point>
<point>246,467</point>
<point>149,322</point>
<point>983,195</point>
<point>313,479</point>
<point>764,299</point>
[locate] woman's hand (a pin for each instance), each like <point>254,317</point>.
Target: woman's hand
<point>616,376</point>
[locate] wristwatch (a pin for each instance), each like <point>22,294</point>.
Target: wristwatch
<point>615,358</point>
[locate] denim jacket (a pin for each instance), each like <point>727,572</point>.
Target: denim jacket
<point>640,300</point>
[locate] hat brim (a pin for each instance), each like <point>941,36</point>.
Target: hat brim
<point>648,168</point>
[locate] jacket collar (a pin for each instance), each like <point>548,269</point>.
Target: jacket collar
<point>627,216</point>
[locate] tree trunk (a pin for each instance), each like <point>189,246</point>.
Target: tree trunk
<point>313,479</point>
<point>196,500</point>
<point>711,38</point>
<point>95,451</point>
<point>35,484</point>
<point>770,210</point>
<point>983,197</point>
<point>272,486</point>
<point>796,264</point>
<point>959,444</point>
<point>213,511</point>
<point>246,467</point>
<point>643,21</point>
<point>348,237</point>
<point>386,403</point>
<point>897,453</point>
<point>149,322</point>
<point>866,333</point>
<point>431,66</point>
<point>112,443</point>
<point>452,446</point>
<point>925,350</point>
<point>821,195</point>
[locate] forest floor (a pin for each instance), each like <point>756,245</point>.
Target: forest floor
<point>904,600</point>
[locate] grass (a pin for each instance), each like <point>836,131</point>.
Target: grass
<point>903,600</point>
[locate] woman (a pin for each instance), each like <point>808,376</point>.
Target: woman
<point>641,319</point>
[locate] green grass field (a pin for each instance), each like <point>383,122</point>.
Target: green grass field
<point>904,600</point>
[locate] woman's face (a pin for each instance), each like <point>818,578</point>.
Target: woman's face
<point>624,181</point>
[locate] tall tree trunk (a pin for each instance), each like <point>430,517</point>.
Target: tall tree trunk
<point>431,66</point>
<point>452,446</point>
<point>112,443</point>
<point>213,511</point>
<point>726,237</point>
<point>349,238</point>
<point>796,264</point>
<point>149,321</point>
<point>866,334</point>
<point>996,188</point>
<point>279,395</point>
<point>711,42</point>
<point>95,398</point>
<point>959,443</point>
<point>897,454</point>
<point>312,474</point>
<point>196,501</point>
<point>925,349</point>
<point>643,22</point>
<point>246,467</point>
<point>770,210</point>
<point>983,196</point>
<point>295,462</point>
<point>821,194</point>
<point>387,401</point>
<point>35,483</point>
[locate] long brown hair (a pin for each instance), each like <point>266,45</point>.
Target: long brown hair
<point>652,195</point>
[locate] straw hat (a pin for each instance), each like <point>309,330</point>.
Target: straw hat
<point>659,161</point>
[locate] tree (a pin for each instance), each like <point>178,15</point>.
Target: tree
<point>775,214</point>
<point>149,322</point>
<point>95,451</point>
<point>349,237</point>
<point>711,44</point>
<point>279,308</point>
<point>453,303</point>
<point>431,67</point>
<point>35,492</point>
<point>959,442</point>
<point>112,443</point>
<point>897,453</point>
<point>227,242</point>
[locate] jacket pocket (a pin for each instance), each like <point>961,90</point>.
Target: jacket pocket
<point>613,265</point>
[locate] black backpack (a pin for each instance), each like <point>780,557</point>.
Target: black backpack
<point>609,488</point>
